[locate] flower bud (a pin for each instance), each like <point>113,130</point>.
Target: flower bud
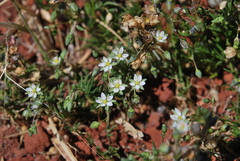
<point>167,55</point>
<point>213,3</point>
<point>164,128</point>
<point>164,148</point>
<point>236,43</point>
<point>198,73</point>
<point>222,5</point>
<point>130,112</point>
<point>135,99</point>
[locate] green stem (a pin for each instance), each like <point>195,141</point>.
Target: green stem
<point>31,33</point>
<point>108,125</point>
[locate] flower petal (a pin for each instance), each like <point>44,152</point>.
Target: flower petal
<point>103,96</point>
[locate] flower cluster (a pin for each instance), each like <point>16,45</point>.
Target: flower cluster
<point>116,85</point>
<point>107,63</point>
<point>180,122</point>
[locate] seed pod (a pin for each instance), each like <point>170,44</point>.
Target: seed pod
<point>109,17</point>
<point>198,73</point>
<point>19,71</point>
<point>183,44</point>
<point>230,52</point>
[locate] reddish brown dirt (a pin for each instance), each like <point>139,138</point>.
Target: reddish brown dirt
<point>35,147</point>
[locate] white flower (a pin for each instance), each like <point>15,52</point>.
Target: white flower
<point>181,126</point>
<point>56,61</point>
<point>117,85</point>
<point>105,100</point>
<point>33,90</point>
<point>180,122</point>
<point>161,36</point>
<point>137,82</point>
<point>106,64</point>
<point>177,115</point>
<point>34,106</point>
<point>119,55</point>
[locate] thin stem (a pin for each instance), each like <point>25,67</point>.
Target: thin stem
<point>108,125</point>
<point>31,33</point>
<point>14,82</point>
<point>112,31</point>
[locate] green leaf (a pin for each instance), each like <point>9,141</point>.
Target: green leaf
<point>80,28</point>
<point>69,39</point>
<point>154,71</point>
<point>48,27</point>
<point>68,103</point>
<point>167,55</point>
<point>206,100</point>
<point>61,85</point>
<point>63,53</point>
<point>73,7</point>
<point>94,124</point>
<point>110,3</point>
<point>27,113</point>
<point>219,19</point>
<point>54,15</point>
<point>32,130</point>
<point>56,74</point>
<point>54,32</point>
<point>184,33</point>
<point>94,53</point>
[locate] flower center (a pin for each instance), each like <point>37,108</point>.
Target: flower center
<point>160,37</point>
<point>117,85</point>
<point>137,82</point>
<point>180,118</point>
<point>107,64</point>
<point>34,90</point>
<point>119,55</point>
<point>104,101</point>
